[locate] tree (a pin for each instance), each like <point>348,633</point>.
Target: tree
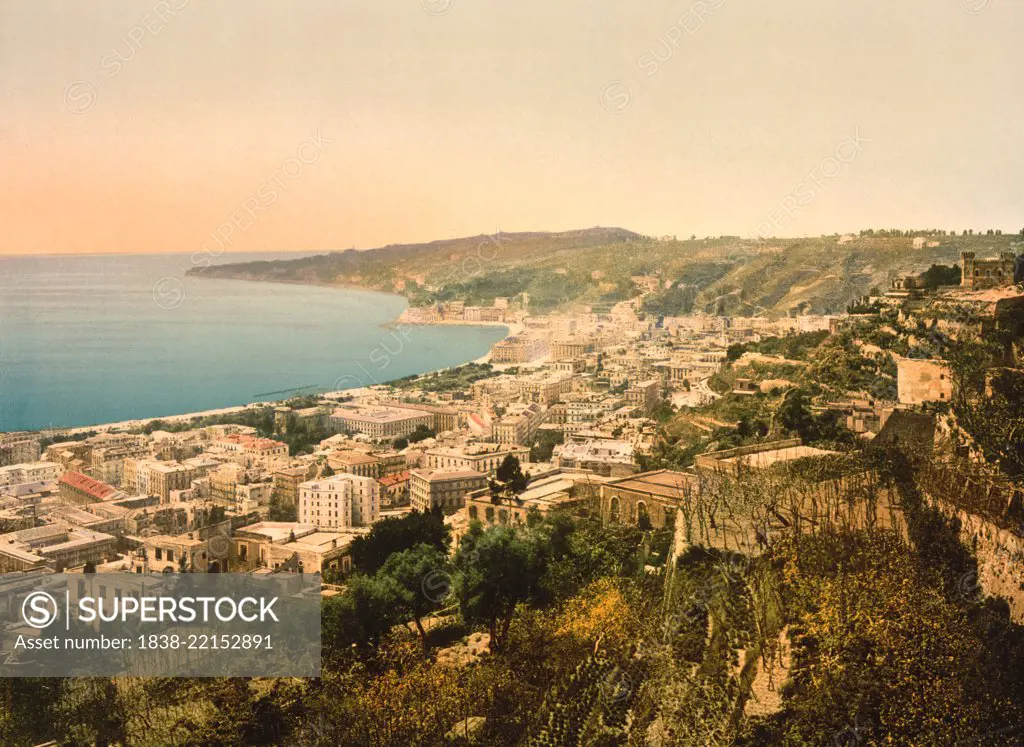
<point>937,275</point>
<point>414,573</point>
<point>362,615</point>
<point>496,570</point>
<point>392,535</point>
<point>217,515</point>
<point>282,511</point>
<point>544,445</point>
<point>510,474</point>
<point>421,433</point>
<point>794,413</point>
<point>90,711</point>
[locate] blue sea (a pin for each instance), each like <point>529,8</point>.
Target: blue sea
<point>98,339</point>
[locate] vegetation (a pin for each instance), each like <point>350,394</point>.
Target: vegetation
<point>393,535</point>
<point>544,443</point>
<point>457,379</point>
<point>939,275</point>
<point>722,275</point>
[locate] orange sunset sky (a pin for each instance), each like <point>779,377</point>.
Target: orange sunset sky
<point>144,126</point>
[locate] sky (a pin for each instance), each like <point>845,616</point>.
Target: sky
<point>246,125</point>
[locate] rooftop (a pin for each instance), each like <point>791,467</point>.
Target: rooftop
<point>95,488</point>
<point>441,475</point>
<point>377,414</point>
<point>664,483</point>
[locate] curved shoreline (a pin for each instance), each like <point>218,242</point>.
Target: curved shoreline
<point>512,328</point>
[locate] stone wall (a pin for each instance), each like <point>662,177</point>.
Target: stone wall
<point>1000,556</point>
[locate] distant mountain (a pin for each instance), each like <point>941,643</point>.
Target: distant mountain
<point>596,266</point>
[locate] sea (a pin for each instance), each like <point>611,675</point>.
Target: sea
<point>96,339</point>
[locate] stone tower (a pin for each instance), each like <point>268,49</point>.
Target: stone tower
<point>967,272</point>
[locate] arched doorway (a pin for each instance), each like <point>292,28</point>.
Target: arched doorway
<point>613,510</point>
<point>643,517</point>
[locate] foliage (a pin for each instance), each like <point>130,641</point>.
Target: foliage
<point>796,347</point>
<point>395,534</point>
<point>544,444</point>
<point>496,570</point>
<point>872,628</point>
<point>509,476</point>
<point>938,275</point>
<point>457,379</point>
<point>420,581</point>
<point>989,404</point>
<point>280,510</point>
<point>363,614</point>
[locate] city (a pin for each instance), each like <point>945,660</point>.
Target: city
<point>723,434</point>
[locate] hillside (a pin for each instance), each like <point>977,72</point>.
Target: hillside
<point>725,275</point>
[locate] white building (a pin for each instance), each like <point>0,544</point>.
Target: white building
<point>380,422</point>
<point>19,474</point>
<point>339,502</point>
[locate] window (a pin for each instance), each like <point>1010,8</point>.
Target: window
<point>170,555</point>
<point>158,554</point>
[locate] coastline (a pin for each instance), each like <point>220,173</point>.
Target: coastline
<point>512,328</point>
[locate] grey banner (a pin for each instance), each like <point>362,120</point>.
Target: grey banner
<point>159,625</point>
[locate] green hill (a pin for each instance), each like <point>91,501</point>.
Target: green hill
<point>594,267</point>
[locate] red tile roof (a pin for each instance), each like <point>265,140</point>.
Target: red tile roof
<point>388,480</point>
<point>98,490</point>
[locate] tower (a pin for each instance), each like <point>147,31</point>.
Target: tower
<point>967,274</point>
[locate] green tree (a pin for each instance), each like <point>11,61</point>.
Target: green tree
<point>280,510</point>
<point>362,614</point>
<point>937,275</point>
<point>392,535</point>
<point>496,570</point>
<point>421,580</point>
<point>510,474</point>
<point>544,444</point>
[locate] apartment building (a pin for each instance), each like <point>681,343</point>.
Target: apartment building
<point>55,547</point>
<point>169,554</point>
<point>394,489</point>
<point>292,546</point>
<point>519,424</point>
<point>287,481</point>
<point>18,474</point>
<point>339,502</point>
<point>107,462</point>
<point>483,458</point>
<point>225,479</point>
<point>545,388</point>
<point>444,489</point>
<point>518,349</point>
<point>644,395</point>
<point>445,418</point>
<point>151,477</point>
<point>251,448</point>
<point>604,457</point>
<point>562,349</point>
<point>354,462</point>
<point>16,448</point>
<point>250,496</point>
